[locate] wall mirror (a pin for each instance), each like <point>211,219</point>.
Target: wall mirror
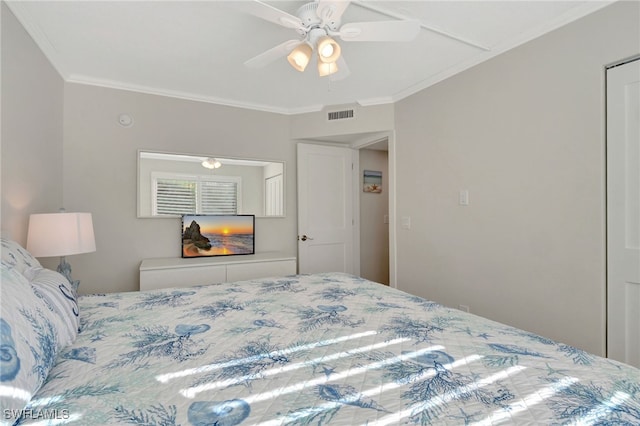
<point>171,184</point>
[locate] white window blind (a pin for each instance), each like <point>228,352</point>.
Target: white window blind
<point>177,194</point>
<point>219,197</point>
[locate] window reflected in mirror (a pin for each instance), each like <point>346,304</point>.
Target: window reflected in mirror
<point>170,185</point>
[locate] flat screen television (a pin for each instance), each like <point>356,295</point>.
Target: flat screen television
<point>217,235</point>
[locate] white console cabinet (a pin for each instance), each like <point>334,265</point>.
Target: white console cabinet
<point>178,272</point>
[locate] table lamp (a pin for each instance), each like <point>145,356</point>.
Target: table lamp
<point>61,234</point>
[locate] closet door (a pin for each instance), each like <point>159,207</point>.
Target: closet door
<point>623,213</point>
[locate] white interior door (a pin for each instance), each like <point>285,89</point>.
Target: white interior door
<point>325,209</point>
<point>623,213</point>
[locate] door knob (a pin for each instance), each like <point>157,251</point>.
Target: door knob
<point>305,238</point>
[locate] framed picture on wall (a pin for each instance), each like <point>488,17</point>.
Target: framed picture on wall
<point>372,181</point>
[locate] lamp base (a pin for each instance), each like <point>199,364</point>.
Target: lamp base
<point>65,269</point>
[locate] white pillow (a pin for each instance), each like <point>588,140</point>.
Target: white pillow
<point>56,293</point>
<point>28,342</point>
<point>14,256</point>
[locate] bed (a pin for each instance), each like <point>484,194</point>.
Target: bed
<point>301,350</point>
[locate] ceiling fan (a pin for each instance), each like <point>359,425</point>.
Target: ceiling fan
<point>318,23</point>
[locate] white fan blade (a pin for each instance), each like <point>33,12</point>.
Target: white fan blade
<point>380,31</point>
<point>331,10</point>
<point>272,54</point>
<point>343,70</point>
<point>268,13</point>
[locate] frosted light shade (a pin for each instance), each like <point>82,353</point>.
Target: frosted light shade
<point>328,50</point>
<point>300,56</point>
<point>60,234</point>
<point>325,69</point>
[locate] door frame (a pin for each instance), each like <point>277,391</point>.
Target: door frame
<point>607,348</point>
<point>358,145</point>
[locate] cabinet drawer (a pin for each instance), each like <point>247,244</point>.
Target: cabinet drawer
<point>182,277</point>
<point>249,271</point>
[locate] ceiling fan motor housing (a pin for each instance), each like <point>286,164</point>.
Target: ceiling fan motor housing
<point>309,16</point>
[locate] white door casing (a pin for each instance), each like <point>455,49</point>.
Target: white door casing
<point>623,213</point>
<point>325,209</point>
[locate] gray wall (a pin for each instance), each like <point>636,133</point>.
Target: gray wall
<point>31,149</point>
<point>524,133</point>
<point>100,173</point>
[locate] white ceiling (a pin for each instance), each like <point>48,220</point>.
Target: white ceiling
<point>197,49</point>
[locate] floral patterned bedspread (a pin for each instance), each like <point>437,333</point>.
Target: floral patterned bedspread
<point>317,350</point>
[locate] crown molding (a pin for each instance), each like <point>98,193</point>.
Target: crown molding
<point>111,84</point>
<point>21,12</point>
<point>382,100</point>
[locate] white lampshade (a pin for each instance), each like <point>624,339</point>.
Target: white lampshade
<point>300,56</point>
<point>60,234</point>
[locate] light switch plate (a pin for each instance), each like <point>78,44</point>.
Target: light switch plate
<point>463,197</point>
<point>406,222</point>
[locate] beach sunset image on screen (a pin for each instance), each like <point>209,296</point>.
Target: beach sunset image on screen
<point>217,235</point>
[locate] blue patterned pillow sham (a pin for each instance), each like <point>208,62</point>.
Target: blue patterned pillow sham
<point>16,257</point>
<point>56,293</point>
<point>28,342</point>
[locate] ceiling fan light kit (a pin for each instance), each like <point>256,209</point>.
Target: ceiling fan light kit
<point>318,23</point>
<point>211,163</point>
